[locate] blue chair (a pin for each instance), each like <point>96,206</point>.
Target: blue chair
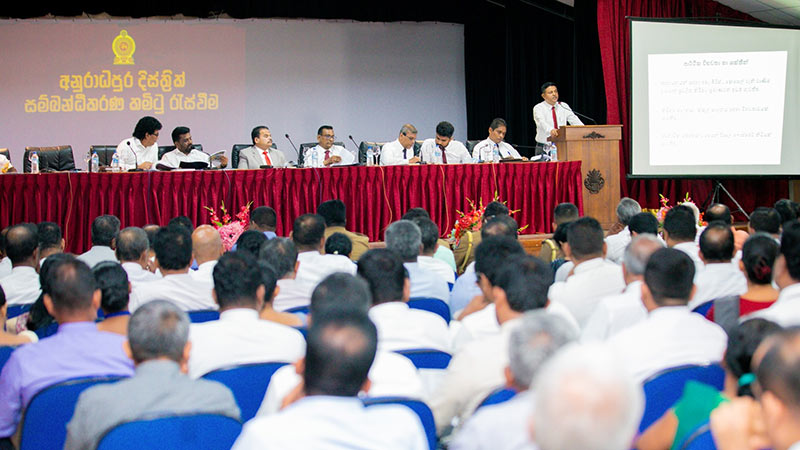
<point>248,383</point>
<point>203,315</point>
<point>426,358</point>
<point>44,424</point>
<point>700,439</point>
<point>499,395</point>
<point>5,353</point>
<point>703,308</point>
<point>206,431</point>
<point>420,408</point>
<point>433,305</point>
<point>47,331</point>
<point>298,309</point>
<point>16,310</point>
<point>663,389</point>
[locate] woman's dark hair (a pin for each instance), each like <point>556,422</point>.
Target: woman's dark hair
<point>38,317</point>
<point>743,340</point>
<point>758,255</point>
<point>113,283</point>
<point>338,244</point>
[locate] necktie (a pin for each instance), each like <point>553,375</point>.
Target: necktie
<point>327,155</point>
<point>555,121</point>
<point>405,155</point>
<point>266,158</point>
<point>444,155</point>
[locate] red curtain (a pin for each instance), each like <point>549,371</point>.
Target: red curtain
<point>613,31</point>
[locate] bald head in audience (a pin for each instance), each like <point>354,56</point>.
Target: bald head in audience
<point>133,246</point>
<point>716,243</point>
<point>22,243</point>
<point>206,244</point>
<point>73,295</point>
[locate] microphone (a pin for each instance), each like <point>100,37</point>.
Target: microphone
<point>135,158</point>
<point>293,146</point>
<point>358,149</point>
<point>576,113</point>
<point>352,140</point>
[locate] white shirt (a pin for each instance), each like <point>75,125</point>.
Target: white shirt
<point>391,375</point>
<point>327,422</point>
<point>205,272</point>
<point>403,328</point>
<point>543,117</point>
<point>180,289</point>
<point>590,281</point>
<point>564,270</point>
<point>22,286</point>
<point>718,280</point>
<point>291,295</point>
<point>175,157</point>
<point>503,426</point>
<point>98,254</point>
<point>5,164</point>
<point>615,313</point>
<point>484,150</point>
<point>5,267</point>
<point>455,151</point>
<point>136,274</point>
<point>438,267</point>
<point>670,336</point>
<point>691,249</point>
<point>426,283</point>
<point>615,245</point>
<point>131,151</point>
<point>464,289</point>
<point>335,150</point>
<point>314,267</point>
<point>392,154</point>
<point>240,337</point>
<point>785,311</point>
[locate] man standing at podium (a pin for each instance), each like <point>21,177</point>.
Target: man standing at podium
<point>551,114</point>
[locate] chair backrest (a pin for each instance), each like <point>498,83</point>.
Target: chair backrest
<point>298,309</point>
<point>433,305</point>
<point>6,153</point>
<point>663,389</point>
<point>58,158</point>
<point>5,353</point>
<point>44,423</point>
<point>700,439</point>
<point>164,149</point>
<point>238,148</point>
<point>104,153</point>
<point>248,383</point>
<point>362,150</point>
<point>499,395</point>
<point>426,358</point>
<point>203,315</point>
<point>421,409</point>
<point>306,145</point>
<point>471,144</point>
<point>16,310</point>
<point>206,431</point>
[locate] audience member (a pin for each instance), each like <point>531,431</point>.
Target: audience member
<point>112,280</point>
<point>720,212</point>
<point>173,248</point>
<point>22,286</point>
<point>443,250</point>
<point>151,231</point>
<point>583,400</point>
<point>38,318</point>
<point>429,233</point>
<point>50,240</point>
<point>157,343</point>
<point>671,335</point>
<point>618,312</point>
<point>401,151</point>
<point>5,262</point>
<point>77,350</point>
<point>281,255</point>
<point>593,277</point>
<point>308,235</point>
<point>8,339</point>
<point>405,239</point>
<point>270,280</point>
<point>786,275</point>
<point>206,250</point>
<point>765,220</point>
<point>563,213</point>
<point>239,337</point>
<point>643,223</point>
<point>104,233</point>
<point>182,221</point>
<point>265,220</point>
<point>250,241</point>
<point>720,278</point>
<point>504,426</point>
<point>334,213</point>
<point>338,244</point>
<point>133,248</point>
<point>786,210</point>
<point>616,243</point>
<point>680,230</point>
<point>328,413</point>
<point>464,252</point>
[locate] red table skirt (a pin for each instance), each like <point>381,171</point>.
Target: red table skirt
<point>375,196</point>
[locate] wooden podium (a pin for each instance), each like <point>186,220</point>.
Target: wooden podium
<point>597,148</point>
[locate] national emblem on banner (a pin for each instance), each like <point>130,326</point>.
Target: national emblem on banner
<point>123,47</point>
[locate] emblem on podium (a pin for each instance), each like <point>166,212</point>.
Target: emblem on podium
<point>123,47</point>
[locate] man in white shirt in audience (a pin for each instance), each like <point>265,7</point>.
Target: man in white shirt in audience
<point>485,149</point>
<point>443,251</point>
<point>327,154</point>
<point>173,246</point>
<point>401,150</point>
<point>206,250</point>
<point>308,235</point>
<point>326,411</point>
<point>184,152</point>
<point>786,274</point>
<point>141,150</point>
<point>132,252</point>
<point>405,239</point>
<point>430,241</point>
<point>399,327</point>
<point>593,277</point>
<point>5,262</point>
<point>504,426</point>
<point>671,335</point>
<point>104,232</point>
<point>550,114</point>
<point>51,240</point>
<point>239,336</point>
<point>680,231</point>
<point>720,277</point>
<point>617,312</point>
<point>616,243</point>
<point>281,254</point>
<point>22,285</point>
<point>444,149</point>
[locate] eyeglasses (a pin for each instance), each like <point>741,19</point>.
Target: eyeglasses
<point>328,136</point>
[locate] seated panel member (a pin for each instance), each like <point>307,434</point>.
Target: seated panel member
<point>401,151</point>
<point>182,138</point>
<point>551,114</point>
<point>444,149</point>
<point>484,150</point>
<point>5,165</point>
<point>141,150</point>
<point>327,153</point>
<point>261,153</point>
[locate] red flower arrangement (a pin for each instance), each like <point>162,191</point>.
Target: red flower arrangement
<point>229,230</point>
<point>473,220</point>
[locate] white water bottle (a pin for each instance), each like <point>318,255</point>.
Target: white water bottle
<point>370,156</point>
<point>496,154</point>
<point>115,162</point>
<point>95,163</point>
<point>553,152</point>
<point>314,161</point>
<point>34,158</point>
